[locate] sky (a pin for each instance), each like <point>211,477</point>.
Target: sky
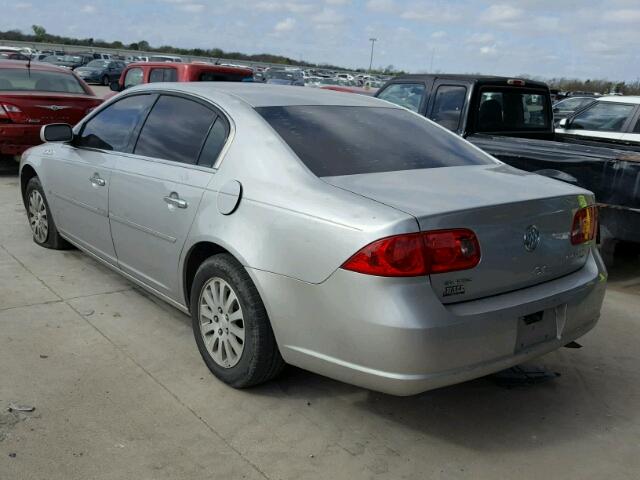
<point>540,38</point>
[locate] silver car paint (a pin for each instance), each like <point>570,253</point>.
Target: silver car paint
<point>292,231</point>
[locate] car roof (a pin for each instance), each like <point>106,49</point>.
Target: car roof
<point>473,78</point>
<point>194,65</point>
<point>621,99</point>
<point>267,95</point>
<point>42,66</point>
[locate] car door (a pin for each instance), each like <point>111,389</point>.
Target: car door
<point>81,176</point>
<point>155,192</point>
<point>604,120</point>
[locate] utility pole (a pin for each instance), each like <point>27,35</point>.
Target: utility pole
<point>373,41</point>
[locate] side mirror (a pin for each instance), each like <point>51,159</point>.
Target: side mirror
<point>563,123</point>
<point>56,132</point>
<point>115,86</point>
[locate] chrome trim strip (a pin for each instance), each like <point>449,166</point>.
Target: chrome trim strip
<point>99,211</point>
<point>142,228</point>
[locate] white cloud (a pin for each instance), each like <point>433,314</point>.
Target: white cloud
<point>328,16</point>
<point>22,6</point>
<point>439,34</point>
<point>292,7</point>
<point>192,7</point>
<point>285,25</point>
<point>381,5</point>
<point>623,16</point>
<point>502,14</point>
<point>88,9</point>
<point>337,2</point>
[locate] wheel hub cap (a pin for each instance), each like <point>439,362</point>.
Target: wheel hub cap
<point>38,220</point>
<point>221,322</point>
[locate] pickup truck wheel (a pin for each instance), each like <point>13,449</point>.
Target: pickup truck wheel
<point>41,221</point>
<point>231,326</point>
<point>105,81</point>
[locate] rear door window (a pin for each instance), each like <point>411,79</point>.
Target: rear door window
<point>163,75</point>
<point>603,117</point>
<point>133,77</point>
<point>175,130</point>
<point>448,105</point>
<point>111,128</point>
<point>408,95</point>
<point>347,140</point>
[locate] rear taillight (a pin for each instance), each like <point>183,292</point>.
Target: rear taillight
<point>417,254</point>
<point>12,113</point>
<point>585,225</point>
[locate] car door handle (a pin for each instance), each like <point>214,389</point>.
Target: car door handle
<point>97,181</point>
<point>173,199</point>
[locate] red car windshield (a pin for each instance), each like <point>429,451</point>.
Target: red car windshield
<point>23,79</point>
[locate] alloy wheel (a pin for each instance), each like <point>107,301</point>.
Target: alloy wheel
<point>38,218</point>
<point>221,322</point>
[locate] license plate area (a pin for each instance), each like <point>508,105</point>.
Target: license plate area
<point>535,328</point>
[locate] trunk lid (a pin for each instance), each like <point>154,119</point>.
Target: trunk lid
<point>503,206</point>
<point>42,109</point>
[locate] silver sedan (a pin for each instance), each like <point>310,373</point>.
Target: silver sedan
<point>335,232</point>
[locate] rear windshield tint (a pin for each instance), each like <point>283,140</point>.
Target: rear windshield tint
<point>342,140</point>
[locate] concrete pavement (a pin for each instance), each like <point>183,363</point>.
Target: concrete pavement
<point>121,392</point>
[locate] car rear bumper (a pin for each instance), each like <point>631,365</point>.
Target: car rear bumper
<point>16,138</point>
<point>395,336</point>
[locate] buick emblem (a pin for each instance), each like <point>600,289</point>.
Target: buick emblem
<point>55,108</point>
<point>531,238</point>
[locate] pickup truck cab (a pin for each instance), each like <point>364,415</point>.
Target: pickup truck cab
<point>149,72</point>
<point>512,119</point>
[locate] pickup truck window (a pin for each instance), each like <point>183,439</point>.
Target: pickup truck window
<point>133,77</point>
<point>406,95</point>
<point>334,140</point>
<point>448,105</point>
<point>505,110</point>
<point>603,117</point>
<point>163,75</point>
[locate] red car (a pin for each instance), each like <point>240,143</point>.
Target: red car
<point>149,72</point>
<point>32,95</point>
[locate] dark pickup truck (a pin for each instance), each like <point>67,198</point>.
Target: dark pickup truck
<point>512,119</point>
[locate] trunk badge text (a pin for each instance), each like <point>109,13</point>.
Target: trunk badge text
<point>55,108</point>
<point>531,238</point>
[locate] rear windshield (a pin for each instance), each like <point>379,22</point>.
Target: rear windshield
<point>343,140</point>
<point>23,79</point>
<point>507,109</point>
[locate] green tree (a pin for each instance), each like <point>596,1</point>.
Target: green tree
<point>39,31</point>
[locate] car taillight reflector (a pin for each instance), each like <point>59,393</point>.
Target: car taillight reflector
<point>516,81</point>
<point>12,113</point>
<point>417,254</point>
<point>585,225</point>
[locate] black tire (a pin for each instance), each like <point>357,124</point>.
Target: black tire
<point>260,360</point>
<point>105,81</point>
<point>53,239</point>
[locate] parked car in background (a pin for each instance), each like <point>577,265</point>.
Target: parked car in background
<point>101,71</point>
<point>35,96</point>
<point>568,106</point>
<point>612,119</point>
<point>277,76</point>
<point>512,119</point>
<point>290,239</point>
<point>68,61</point>
<point>13,56</point>
<point>151,72</point>
<point>165,58</point>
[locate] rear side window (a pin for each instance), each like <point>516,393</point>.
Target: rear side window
<point>223,77</point>
<point>603,117</point>
<point>214,143</point>
<point>133,77</point>
<point>163,75</point>
<point>408,95</point>
<point>111,128</point>
<point>175,130</point>
<point>448,105</point>
<point>342,140</point>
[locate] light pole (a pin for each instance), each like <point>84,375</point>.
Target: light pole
<point>373,41</point>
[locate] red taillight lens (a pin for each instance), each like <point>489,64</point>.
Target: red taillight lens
<point>417,254</point>
<point>585,225</point>
<point>451,250</point>
<point>12,113</point>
